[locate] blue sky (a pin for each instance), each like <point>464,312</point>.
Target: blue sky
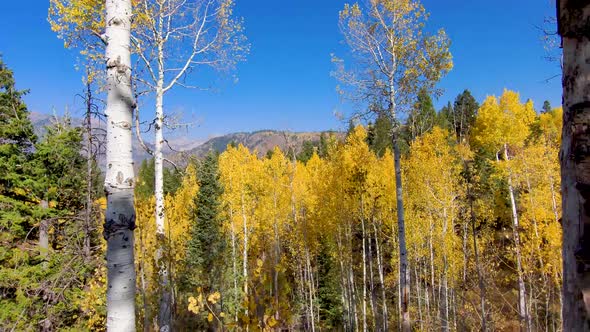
<point>286,83</point>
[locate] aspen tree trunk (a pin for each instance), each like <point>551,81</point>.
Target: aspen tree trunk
<point>165,309</point>
<point>233,259</point>
<point>119,178</point>
<point>344,287</point>
<point>311,288</point>
<point>403,253</point>
<point>353,298</point>
<point>381,279</point>
<point>371,281</point>
<point>431,256</point>
<point>445,293</point>
<point>573,20</point>
<point>524,316</point>
<point>445,300</point>
<point>303,292</point>
<point>245,255</point>
<point>351,280</point>
<point>364,308</point>
<point>418,294</point>
<point>481,284</point>
<point>453,291</point>
<point>553,199</point>
<point>426,292</point>
<point>277,258</point>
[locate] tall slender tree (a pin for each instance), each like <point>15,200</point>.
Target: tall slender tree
<point>178,37</point>
<point>394,59</point>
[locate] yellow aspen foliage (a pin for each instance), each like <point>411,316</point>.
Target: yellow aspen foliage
<point>432,173</point>
<point>179,209</point>
<point>503,121</point>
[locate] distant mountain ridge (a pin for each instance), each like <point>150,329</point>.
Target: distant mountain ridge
<point>260,141</point>
<point>182,148</point>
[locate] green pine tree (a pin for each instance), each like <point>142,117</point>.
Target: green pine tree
<point>40,281</point>
<point>380,135</point>
<point>144,187</point>
<point>546,107</point>
<point>205,248</point>
<point>422,117</point>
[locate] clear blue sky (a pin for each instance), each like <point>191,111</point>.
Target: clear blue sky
<point>286,83</point>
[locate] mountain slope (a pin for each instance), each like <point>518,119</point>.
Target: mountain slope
<point>260,141</point>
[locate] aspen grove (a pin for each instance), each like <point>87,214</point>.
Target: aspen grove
<point>307,241</point>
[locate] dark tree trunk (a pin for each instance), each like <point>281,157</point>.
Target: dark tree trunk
<point>573,18</point>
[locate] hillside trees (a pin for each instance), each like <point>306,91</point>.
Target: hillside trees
<point>43,266</point>
<point>395,58</point>
<point>310,246</point>
<point>501,129</point>
<point>434,192</point>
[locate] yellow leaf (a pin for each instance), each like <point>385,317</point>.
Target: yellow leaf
<point>193,305</point>
<point>214,297</point>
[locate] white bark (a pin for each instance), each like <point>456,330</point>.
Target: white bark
<point>245,252</point>
<point>403,252</point>
<point>119,179</point>
<point>233,259</point>
<point>165,309</point>
<point>522,305</point>
<point>381,279</point>
<point>364,308</point>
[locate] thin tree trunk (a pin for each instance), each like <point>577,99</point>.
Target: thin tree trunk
<point>89,159</point>
<point>522,305</point>
<point>277,258</point>
<point>119,179</point>
<point>233,260</point>
<point>245,256</point>
<point>444,284</point>
<point>346,318</point>
<point>403,253</point>
<point>418,295</point>
<point>381,279</point>
<point>481,284</point>
<point>572,20</point>
<point>426,292</point>
<point>364,255</point>
<point>165,309</point>
<point>371,284</point>
<point>351,280</point>
<point>432,272</point>
<point>311,289</point>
